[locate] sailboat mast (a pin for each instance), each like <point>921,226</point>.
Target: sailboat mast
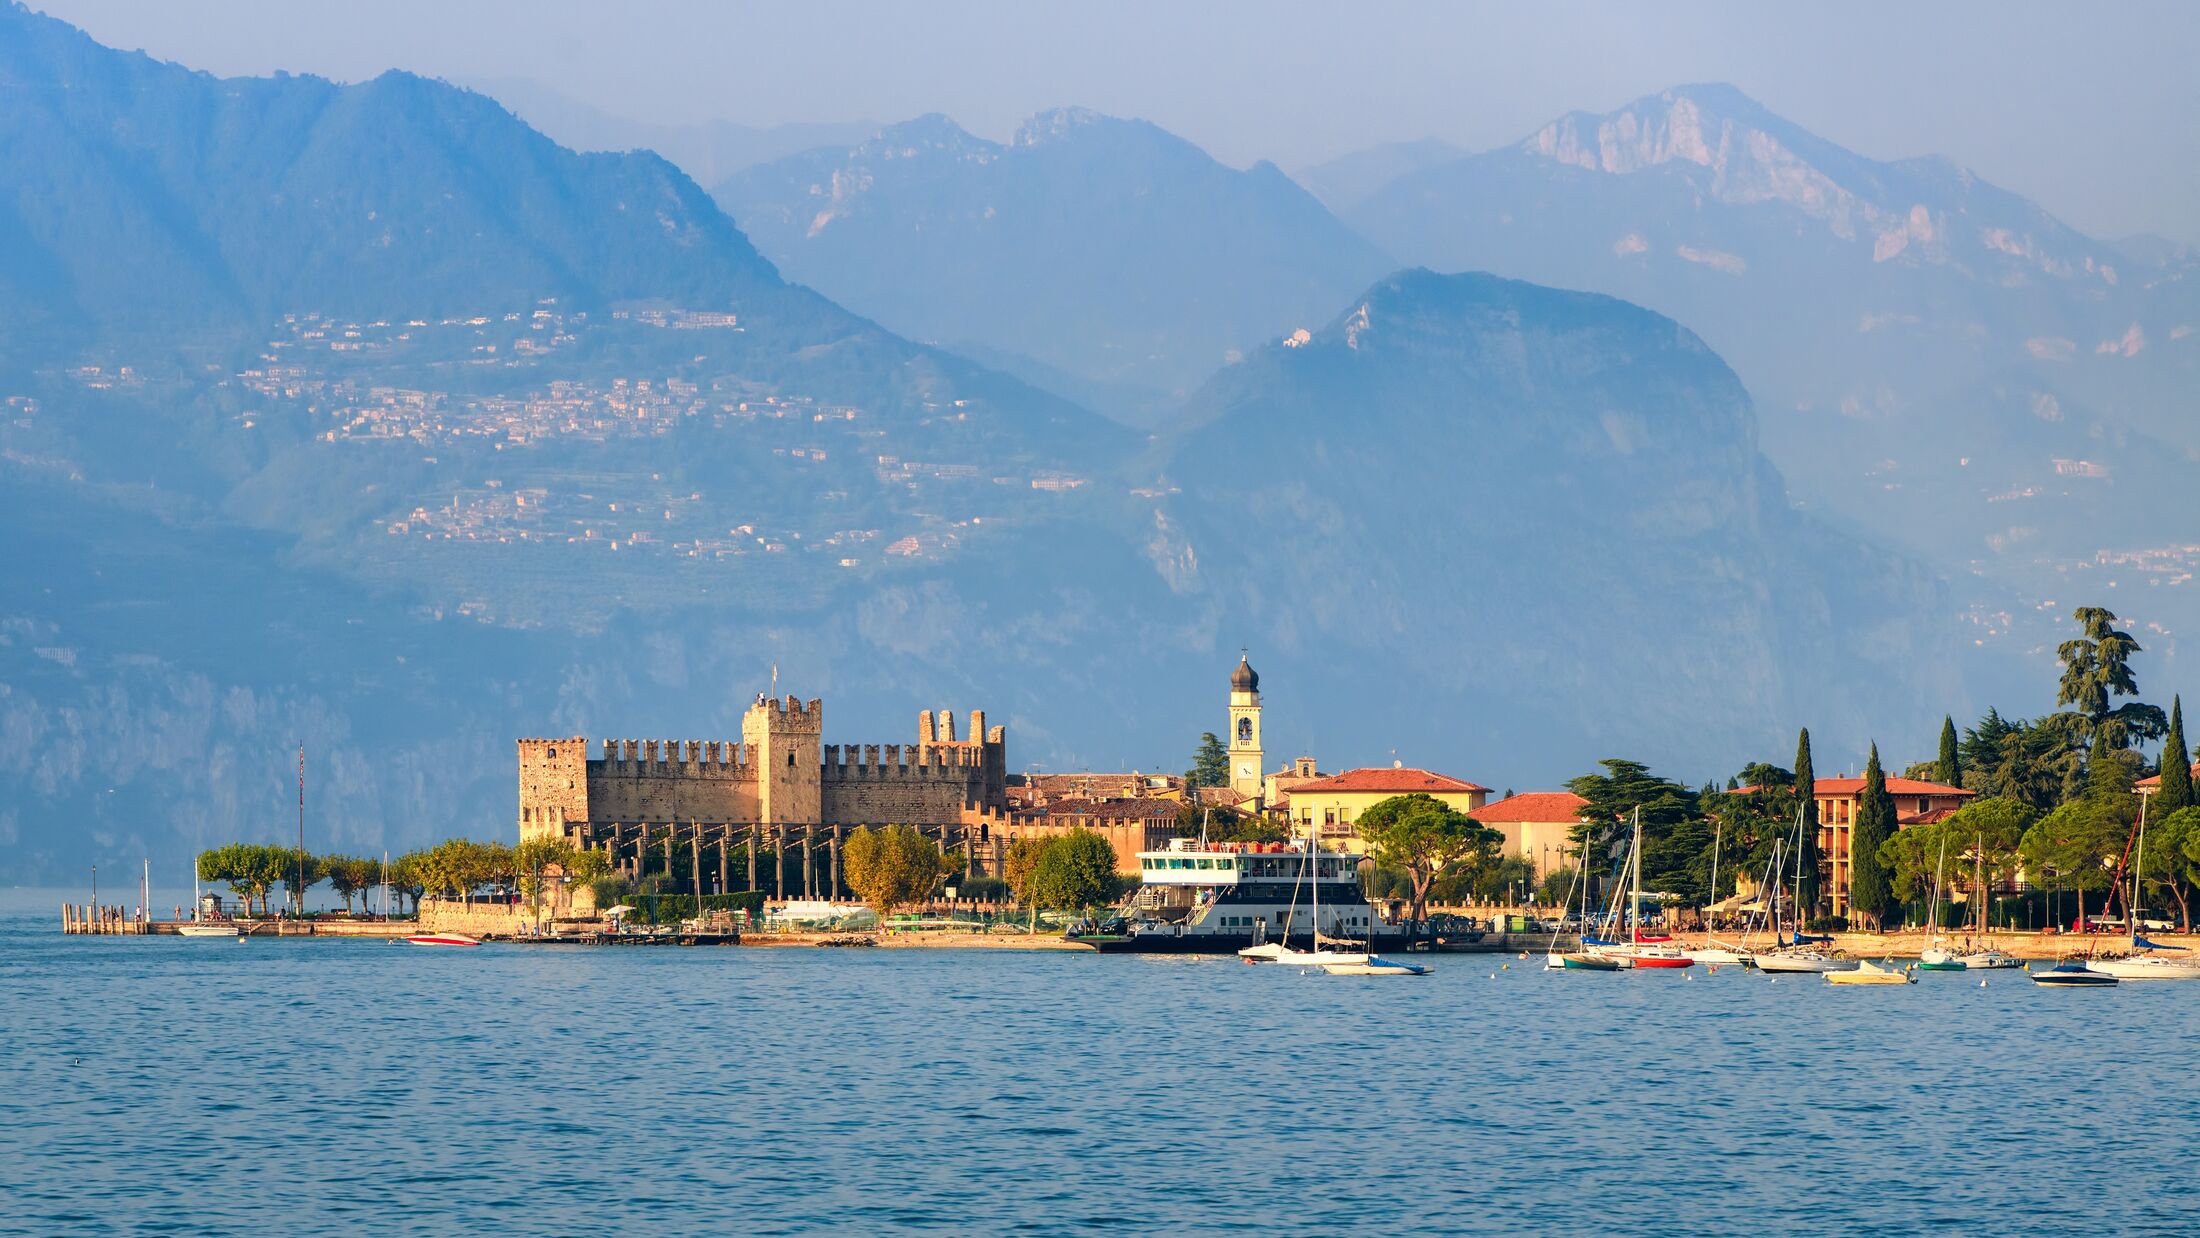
<point>1634,890</point>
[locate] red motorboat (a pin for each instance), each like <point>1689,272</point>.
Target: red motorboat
<point>442,939</point>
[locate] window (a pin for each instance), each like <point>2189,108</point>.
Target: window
<point>790,760</point>
<point>552,753</point>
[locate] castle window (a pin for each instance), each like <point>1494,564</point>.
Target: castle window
<point>790,760</point>
<point>552,753</point>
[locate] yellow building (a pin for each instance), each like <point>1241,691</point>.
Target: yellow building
<point>1538,827</point>
<point>1330,805</point>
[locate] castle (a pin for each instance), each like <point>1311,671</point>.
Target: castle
<point>779,781</point>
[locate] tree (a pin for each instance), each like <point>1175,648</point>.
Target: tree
<point>1557,887</point>
<point>2033,762</point>
<point>1870,892</point>
<point>348,875</point>
<point>2176,789</point>
<point>1210,763</point>
<point>2072,847</point>
<point>2097,670</point>
<point>2172,858</point>
<point>1076,870</point>
<point>1227,825</point>
<point>1988,832</point>
<point>1806,855</point>
<point>1020,867</point>
<point>408,877</point>
<point>1421,834</point>
<point>890,866</point>
<point>1949,769</point>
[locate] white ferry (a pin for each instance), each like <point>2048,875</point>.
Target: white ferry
<point>1218,898</point>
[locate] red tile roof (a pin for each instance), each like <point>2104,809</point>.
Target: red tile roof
<point>2157,779</point>
<point>1390,781</point>
<point>1539,806</point>
<point>1895,786</point>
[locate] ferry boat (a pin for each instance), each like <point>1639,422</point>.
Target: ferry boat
<point>1220,898</point>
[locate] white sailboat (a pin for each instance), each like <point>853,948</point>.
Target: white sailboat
<point>1794,958</point>
<point>1714,952</point>
<point>2143,963</point>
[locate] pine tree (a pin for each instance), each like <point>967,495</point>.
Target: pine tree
<point>1210,763</point>
<point>1871,894</point>
<point>1806,791</point>
<point>2176,789</point>
<point>1949,770</point>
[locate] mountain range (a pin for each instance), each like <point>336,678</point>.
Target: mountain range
<point>1105,250</point>
<point>365,416</point>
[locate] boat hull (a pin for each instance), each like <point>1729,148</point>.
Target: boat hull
<point>2073,976</point>
<point>440,939</point>
<point>1587,962</point>
<point>1802,964</point>
<point>207,930</point>
<point>2145,969</point>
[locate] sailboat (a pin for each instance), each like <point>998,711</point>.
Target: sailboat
<point>1714,951</point>
<point>1986,958</point>
<point>1580,959</point>
<point>2090,972</point>
<point>1320,955</point>
<point>1791,955</point>
<point>1937,956</point>
<point>1641,952</point>
<point>199,925</point>
<point>2143,963</point>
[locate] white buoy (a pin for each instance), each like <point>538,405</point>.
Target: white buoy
<point>1982,982</point>
<point>1493,975</point>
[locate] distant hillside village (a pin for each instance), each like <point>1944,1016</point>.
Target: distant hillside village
<point>649,805</point>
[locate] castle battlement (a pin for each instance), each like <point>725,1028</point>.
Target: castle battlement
<point>709,758</point>
<point>778,773</point>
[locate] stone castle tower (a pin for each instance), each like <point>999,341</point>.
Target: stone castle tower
<point>784,739</point>
<point>1245,748</point>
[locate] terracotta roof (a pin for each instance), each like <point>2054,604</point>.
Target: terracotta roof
<point>1895,786</point>
<point>1926,818</point>
<point>1388,781</point>
<point>1539,806</point>
<point>1113,810</point>
<point>2157,779</point>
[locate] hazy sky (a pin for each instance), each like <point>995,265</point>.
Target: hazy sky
<point>2091,109</point>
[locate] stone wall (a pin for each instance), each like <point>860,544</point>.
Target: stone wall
<point>673,780</point>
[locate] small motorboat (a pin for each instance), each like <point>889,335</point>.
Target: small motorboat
<point>441,939</point>
<point>1868,972</point>
<point>1375,965</point>
<point>1717,955</point>
<point>1791,960</point>
<point>1990,960</point>
<point>206,928</point>
<point>2147,967</point>
<point>1654,957</point>
<point>2073,975</point>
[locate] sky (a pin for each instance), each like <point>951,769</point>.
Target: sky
<point>2088,109</point>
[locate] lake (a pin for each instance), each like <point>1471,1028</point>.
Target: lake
<point>336,1086</point>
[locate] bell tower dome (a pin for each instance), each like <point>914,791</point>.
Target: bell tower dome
<point>1245,747</point>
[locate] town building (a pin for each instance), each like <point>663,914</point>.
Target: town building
<point>1130,825</point>
<point>1916,802</point>
<point>1538,826</point>
<point>1330,805</point>
<point>779,786</point>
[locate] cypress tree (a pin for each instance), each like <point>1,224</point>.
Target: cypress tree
<point>1806,791</point>
<point>1870,892</point>
<point>1949,769</point>
<point>2176,789</point>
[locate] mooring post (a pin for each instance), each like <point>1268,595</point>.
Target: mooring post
<point>753,831</point>
<point>779,862</point>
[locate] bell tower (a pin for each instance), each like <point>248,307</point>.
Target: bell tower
<point>1245,750</point>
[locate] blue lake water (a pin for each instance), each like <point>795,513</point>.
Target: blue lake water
<point>153,1085</point>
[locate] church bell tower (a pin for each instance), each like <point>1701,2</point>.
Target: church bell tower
<point>1245,751</point>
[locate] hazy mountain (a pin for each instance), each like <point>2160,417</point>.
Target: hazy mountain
<point>1936,358</point>
<point>367,418</point>
<point>1346,181</point>
<point>707,150</point>
<point>1104,248</point>
<point>1463,496</point>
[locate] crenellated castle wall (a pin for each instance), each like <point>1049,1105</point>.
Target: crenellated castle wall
<point>778,774</point>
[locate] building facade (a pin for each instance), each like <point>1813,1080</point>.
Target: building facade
<point>1916,801</point>
<point>1538,827</point>
<point>780,775</point>
<point>1330,805</point>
